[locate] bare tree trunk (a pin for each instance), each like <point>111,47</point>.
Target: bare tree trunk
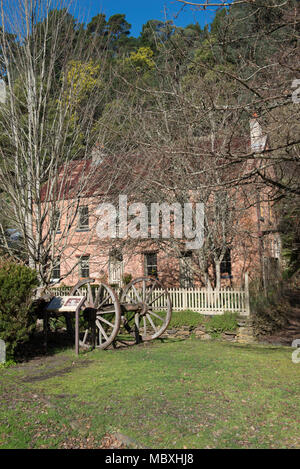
<point>53,91</point>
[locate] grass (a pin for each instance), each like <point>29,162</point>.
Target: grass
<point>173,394</point>
<point>186,318</point>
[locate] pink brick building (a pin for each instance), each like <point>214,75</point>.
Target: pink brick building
<point>254,246</point>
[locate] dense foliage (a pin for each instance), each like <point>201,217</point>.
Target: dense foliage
<point>17,283</point>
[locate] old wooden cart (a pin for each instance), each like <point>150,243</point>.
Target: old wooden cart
<point>141,312</point>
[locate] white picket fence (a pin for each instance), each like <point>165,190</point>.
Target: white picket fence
<point>201,300</point>
<point>205,301</point>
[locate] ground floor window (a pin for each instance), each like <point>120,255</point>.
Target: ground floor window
<point>56,270</point>
<point>225,267</point>
<point>83,222</point>
<point>115,267</point>
<point>56,221</point>
<point>84,267</point>
<point>151,264</point>
<point>186,271</point>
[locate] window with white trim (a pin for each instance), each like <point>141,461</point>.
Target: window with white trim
<point>83,222</point>
<point>115,267</point>
<point>225,267</point>
<point>84,267</point>
<point>56,221</point>
<point>151,264</point>
<point>56,270</point>
<point>185,271</point>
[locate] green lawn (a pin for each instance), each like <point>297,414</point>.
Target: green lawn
<point>174,394</point>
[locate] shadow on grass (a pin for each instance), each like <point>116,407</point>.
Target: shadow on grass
<point>119,345</point>
<point>260,348</point>
<point>35,347</point>
<point>60,341</point>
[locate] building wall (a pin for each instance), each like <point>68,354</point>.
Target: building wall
<point>255,240</point>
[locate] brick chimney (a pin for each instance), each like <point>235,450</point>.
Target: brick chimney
<point>97,154</point>
<point>258,139</point>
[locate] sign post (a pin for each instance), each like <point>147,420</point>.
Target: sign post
<point>61,305</point>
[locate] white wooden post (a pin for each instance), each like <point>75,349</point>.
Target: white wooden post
<point>184,298</point>
<point>247,298</point>
<point>2,351</point>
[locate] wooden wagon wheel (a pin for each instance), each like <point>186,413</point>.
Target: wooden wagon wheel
<point>103,311</point>
<point>146,308</point>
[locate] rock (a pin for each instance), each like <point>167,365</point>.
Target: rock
<point>230,336</point>
<point>247,340</point>
<point>242,322</point>
<point>205,337</point>
<point>245,335</point>
<point>183,333</point>
<point>171,331</point>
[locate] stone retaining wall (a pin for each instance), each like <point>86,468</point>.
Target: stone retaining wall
<point>244,334</point>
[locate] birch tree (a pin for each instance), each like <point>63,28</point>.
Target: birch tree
<point>54,88</point>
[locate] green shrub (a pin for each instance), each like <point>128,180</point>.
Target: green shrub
<point>7,364</point>
<point>222,323</point>
<point>17,283</point>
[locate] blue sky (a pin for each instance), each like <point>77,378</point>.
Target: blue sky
<point>139,12</point>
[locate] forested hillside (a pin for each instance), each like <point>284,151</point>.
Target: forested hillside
<point>186,94</point>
